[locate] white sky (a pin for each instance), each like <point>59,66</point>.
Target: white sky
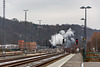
<point>54,11</point>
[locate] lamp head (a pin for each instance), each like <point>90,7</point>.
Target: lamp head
<point>88,7</point>
<point>82,7</point>
<point>25,10</point>
<point>82,19</point>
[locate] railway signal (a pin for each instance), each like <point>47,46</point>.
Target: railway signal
<point>63,41</point>
<point>76,41</point>
<point>84,39</point>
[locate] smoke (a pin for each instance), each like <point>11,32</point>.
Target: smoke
<point>72,39</point>
<point>57,39</point>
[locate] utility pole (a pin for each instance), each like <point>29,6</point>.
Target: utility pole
<point>25,31</point>
<point>40,31</point>
<point>3,28</point>
<point>39,22</point>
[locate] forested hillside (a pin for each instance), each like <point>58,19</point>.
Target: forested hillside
<point>15,30</point>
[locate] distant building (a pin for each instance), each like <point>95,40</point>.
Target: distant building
<point>9,46</point>
<point>29,45</point>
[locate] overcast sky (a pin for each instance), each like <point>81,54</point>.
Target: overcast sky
<point>54,11</point>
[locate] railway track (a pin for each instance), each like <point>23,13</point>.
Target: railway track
<point>10,55</point>
<point>6,55</point>
<point>6,60</point>
<point>19,62</point>
<point>49,61</point>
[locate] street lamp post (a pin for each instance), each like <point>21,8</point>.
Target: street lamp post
<point>85,21</point>
<point>85,32</point>
<point>25,30</point>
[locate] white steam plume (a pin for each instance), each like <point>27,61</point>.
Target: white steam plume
<point>58,38</point>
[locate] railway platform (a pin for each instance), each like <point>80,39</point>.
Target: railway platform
<point>75,61</point>
<point>72,60</point>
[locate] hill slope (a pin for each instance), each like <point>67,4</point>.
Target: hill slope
<point>15,30</point>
